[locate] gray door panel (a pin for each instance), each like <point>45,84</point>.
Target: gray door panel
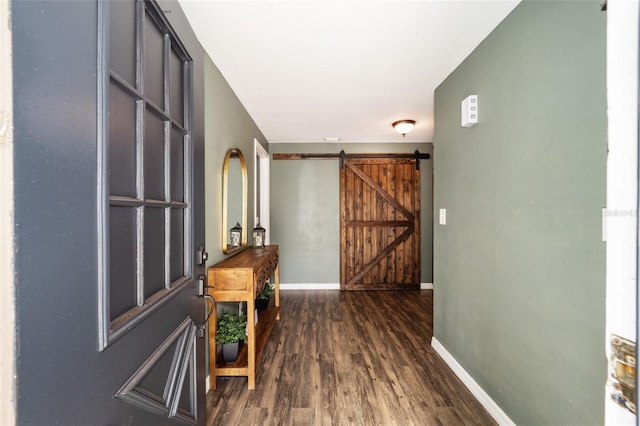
<point>62,375</point>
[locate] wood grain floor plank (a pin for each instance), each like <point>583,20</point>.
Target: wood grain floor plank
<point>349,358</point>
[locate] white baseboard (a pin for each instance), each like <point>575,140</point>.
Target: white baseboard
<point>482,397</point>
<point>310,286</point>
<point>426,286</point>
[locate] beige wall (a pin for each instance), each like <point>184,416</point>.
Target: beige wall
<point>7,317</point>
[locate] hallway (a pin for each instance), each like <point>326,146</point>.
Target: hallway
<point>355,357</point>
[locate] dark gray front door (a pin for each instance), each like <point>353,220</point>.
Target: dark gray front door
<point>109,213</point>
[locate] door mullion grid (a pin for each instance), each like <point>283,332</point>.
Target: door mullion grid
<point>140,184</point>
<point>112,329</point>
<point>187,169</point>
<point>167,210</point>
<point>103,174</point>
<point>167,74</point>
<point>187,212</point>
<point>140,211</point>
<point>167,162</point>
<point>140,22</point>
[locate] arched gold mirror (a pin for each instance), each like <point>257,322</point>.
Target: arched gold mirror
<point>234,202</point>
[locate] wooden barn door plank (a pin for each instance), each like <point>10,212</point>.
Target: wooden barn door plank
<point>379,224</point>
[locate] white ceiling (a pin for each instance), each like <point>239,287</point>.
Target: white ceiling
<point>306,70</point>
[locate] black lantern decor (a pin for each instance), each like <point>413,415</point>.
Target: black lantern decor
<point>235,235</point>
<point>258,236</point>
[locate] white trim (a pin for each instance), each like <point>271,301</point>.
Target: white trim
<point>7,289</point>
<point>621,221</point>
<point>310,286</point>
<point>265,189</point>
<point>426,286</point>
<point>477,391</point>
<point>207,384</point>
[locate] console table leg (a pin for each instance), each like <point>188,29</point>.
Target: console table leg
<point>213,348</point>
<point>251,341</point>
<point>276,275</point>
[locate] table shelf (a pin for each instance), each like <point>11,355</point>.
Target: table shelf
<point>240,278</point>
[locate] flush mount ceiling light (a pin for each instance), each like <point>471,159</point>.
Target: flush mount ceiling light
<point>404,126</point>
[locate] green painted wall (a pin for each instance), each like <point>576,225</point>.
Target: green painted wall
<point>305,210</point>
<point>519,268</point>
<point>227,125</point>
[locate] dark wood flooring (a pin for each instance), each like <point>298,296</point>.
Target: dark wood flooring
<point>339,357</point>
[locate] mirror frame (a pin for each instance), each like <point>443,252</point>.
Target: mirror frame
<point>234,153</point>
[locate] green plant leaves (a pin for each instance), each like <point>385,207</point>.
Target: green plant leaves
<point>231,328</point>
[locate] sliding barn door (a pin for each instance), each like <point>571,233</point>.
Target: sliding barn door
<point>379,224</point>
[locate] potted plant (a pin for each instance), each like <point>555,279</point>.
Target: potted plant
<point>230,330</point>
<point>262,301</point>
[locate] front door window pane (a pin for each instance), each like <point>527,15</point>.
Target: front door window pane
<point>176,267</point>
<point>122,40</point>
<point>153,157</point>
<point>177,88</point>
<point>153,251</point>
<point>122,254</point>
<point>122,142</point>
<point>154,59</point>
<point>176,175</point>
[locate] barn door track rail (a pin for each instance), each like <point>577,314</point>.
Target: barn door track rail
<point>342,155</point>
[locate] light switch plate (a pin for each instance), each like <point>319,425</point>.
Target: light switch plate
<point>443,216</point>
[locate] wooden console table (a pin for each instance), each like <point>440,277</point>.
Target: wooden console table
<point>240,278</point>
